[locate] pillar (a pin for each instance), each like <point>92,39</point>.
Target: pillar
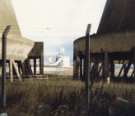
<point>34,66</point>
<point>106,66</point>
<point>11,71</point>
<point>112,69</point>
<point>81,68</point>
<point>134,63</point>
<point>41,65</point>
<point>75,66</point>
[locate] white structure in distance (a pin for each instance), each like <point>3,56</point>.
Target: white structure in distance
<point>60,60</point>
<point>59,64</point>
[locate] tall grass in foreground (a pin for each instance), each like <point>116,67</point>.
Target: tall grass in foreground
<point>62,98</point>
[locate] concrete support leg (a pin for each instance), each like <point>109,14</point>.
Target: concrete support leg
<point>96,74</point>
<point>112,69</point>
<point>122,68</point>
<point>20,68</point>
<point>81,68</point>
<point>127,68</point>
<point>76,69</point>
<point>28,67</point>
<point>133,74</point>
<point>35,66</point>
<point>100,69</point>
<point>11,70</point>
<point>23,68</point>
<point>106,67</point>
<point>41,65</point>
<point>17,70</point>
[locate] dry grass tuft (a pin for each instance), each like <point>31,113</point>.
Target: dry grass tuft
<point>61,97</point>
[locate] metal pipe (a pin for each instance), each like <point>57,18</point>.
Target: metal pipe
<point>87,66</point>
<point>4,52</point>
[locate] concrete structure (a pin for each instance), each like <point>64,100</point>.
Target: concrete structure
<point>114,43</point>
<point>19,49</point>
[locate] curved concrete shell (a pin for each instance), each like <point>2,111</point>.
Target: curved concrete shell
<point>118,16</point>
<point>20,50</point>
<point>18,47</point>
<point>7,17</point>
<point>116,42</point>
<point>116,32</point>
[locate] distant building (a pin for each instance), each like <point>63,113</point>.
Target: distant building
<point>59,64</point>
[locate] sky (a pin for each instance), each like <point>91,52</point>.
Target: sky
<point>57,22</point>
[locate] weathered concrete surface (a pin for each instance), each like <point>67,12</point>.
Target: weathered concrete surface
<point>118,16</point>
<point>116,32</point>
<point>18,47</point>
<point>118,42</point>
<point>7,17</point>
<point>37,49</point>
<point>114,41</point>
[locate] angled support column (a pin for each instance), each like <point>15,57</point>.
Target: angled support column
<point>127,68</point>
<point>106,66</point>
<point>96,74</point>
<point>122,68</point>
<point>133,74</point>
<point>16,70</point>
<point>76,67</point>
<point>41,61</point>
<point>11,70</point>
<point>100,69</point>
<point>112,69</point>
<point>35,66</point>
<point>27,66</point>
<point>23,68</point>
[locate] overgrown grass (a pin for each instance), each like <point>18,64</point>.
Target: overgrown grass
<point>59,97</point>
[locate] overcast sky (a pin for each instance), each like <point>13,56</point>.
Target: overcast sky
<point>57,22</point>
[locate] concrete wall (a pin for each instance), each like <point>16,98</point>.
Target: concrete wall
<point>117,42</point>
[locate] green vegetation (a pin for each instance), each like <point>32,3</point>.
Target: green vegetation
<point>62,97</point>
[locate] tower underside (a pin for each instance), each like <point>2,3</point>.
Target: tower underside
<point>24,56</point>
<point>112,56</point>
<point>112,48</point>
